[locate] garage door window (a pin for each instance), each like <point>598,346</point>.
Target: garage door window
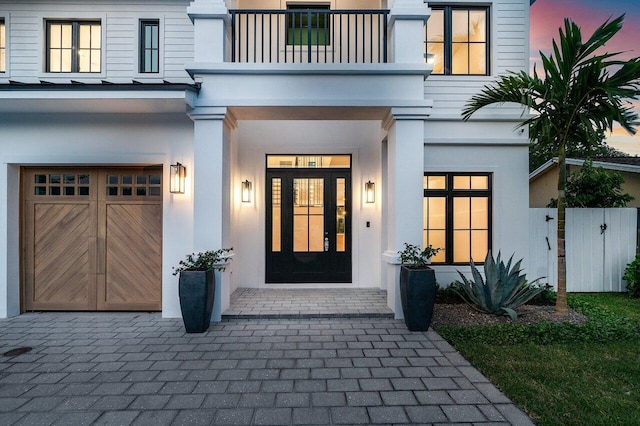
<point>127,185</point>
<point>63,184</point>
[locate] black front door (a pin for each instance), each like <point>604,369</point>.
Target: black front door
<point>308,226</point>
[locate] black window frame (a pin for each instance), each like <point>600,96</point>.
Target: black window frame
<point>3,46</point>
<point>75,44</point>
<point>317,9</point>
<point>448,36</point>
<point>143,49</point>
<point>449,193</point>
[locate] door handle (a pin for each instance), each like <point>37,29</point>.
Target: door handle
<point>326,244</point>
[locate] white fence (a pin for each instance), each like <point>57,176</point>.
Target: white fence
<point>599,244</point>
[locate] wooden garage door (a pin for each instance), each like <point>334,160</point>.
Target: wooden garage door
<point>92,238</point>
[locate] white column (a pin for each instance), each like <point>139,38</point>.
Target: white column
<point>9,240</point>
<point>210,19</point>
<point>406,20</point>
<point>405,169</point>
<point>212,191</point>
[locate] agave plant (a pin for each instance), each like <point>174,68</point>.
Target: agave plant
<point>501,291</point>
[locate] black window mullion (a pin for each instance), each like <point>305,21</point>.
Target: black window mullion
<point>448,40</point>
<point>75,45</point>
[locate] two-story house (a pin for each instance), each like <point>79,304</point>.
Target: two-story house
<point>315,137</point>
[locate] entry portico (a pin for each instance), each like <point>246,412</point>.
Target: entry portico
<point>372,112</point>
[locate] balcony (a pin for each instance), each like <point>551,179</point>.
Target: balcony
<point>304,35</point>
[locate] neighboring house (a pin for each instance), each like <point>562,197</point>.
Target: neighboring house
<point>315,142</point>
<point>543,182</point>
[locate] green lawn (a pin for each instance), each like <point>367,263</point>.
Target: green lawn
<point>562,373</point>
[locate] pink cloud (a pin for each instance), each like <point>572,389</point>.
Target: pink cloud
<point>548,15</point>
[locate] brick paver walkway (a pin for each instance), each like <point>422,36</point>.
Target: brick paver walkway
<point>129,368</point>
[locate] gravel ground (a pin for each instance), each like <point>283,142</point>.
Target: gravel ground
<point>465,315</point>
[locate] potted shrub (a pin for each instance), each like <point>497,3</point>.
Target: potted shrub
<point>417,286</point>
<point>196,287</point>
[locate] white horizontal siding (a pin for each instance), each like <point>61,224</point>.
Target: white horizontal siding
<point>509,51</point>
<point>120,28</point>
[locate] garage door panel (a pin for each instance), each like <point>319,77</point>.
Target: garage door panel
<point>62,276</point>
<point>133,266</point>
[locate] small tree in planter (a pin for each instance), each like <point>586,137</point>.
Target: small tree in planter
<point>417,286</point>
<point>196,287</point>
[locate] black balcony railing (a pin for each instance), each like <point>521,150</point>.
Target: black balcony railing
<point>309,36</point>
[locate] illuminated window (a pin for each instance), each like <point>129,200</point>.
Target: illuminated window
<point>457,37</point>
<point>74,46</point>
<point>457,216</point>
<point>307,24</point>
<point>3,47</point>
<point>149,46</point>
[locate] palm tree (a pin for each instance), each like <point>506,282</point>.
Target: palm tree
<point>582,94</point>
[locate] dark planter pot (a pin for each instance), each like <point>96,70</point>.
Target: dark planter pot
<point>418,295</point>
<point>196,289</point>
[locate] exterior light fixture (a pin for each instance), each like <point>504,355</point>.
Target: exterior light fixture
<point>177,175</point>
<point>370,192</point>
<point>246,191</point>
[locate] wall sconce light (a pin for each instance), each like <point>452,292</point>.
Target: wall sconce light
<point>177,174</point>
<point>370,192</point>
<point>246,191</point>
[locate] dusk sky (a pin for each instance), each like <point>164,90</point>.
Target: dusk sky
<point>548,15</point>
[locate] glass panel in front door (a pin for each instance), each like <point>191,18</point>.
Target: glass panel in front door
<point>276,207</point>
<point>341,212</point>
<point>308,215</point>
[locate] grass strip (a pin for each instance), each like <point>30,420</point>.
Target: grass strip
<point>563,373</point>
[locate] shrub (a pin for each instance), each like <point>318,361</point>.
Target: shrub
<point>413,256</point>
<point>448,295</point>
<point>632,277</point>
<point>546,297</point>
<point>504,290</point>
<point>203,261</point>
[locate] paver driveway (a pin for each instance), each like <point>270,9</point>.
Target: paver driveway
<point>129,368</point>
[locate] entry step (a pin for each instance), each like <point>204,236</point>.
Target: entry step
<point>307,303</point>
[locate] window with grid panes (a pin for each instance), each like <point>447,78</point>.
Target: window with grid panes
<point>458,39</point>
<point>457,216</point>
<point>74,46</point>
<point>308,24</point>
<point>149,46</point>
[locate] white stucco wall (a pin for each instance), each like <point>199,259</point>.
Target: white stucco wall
<point>255,139</point>
<point>501,151</point>
<point>95,140</point>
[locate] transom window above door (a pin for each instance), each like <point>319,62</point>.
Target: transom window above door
<point>308,161</point>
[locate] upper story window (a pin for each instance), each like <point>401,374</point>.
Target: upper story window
<point>74,46</point>
<point>149,46</point>
<point>3,46</point>
<point>457,37</point>
<point>457,216</point>
<point>307,23</point>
